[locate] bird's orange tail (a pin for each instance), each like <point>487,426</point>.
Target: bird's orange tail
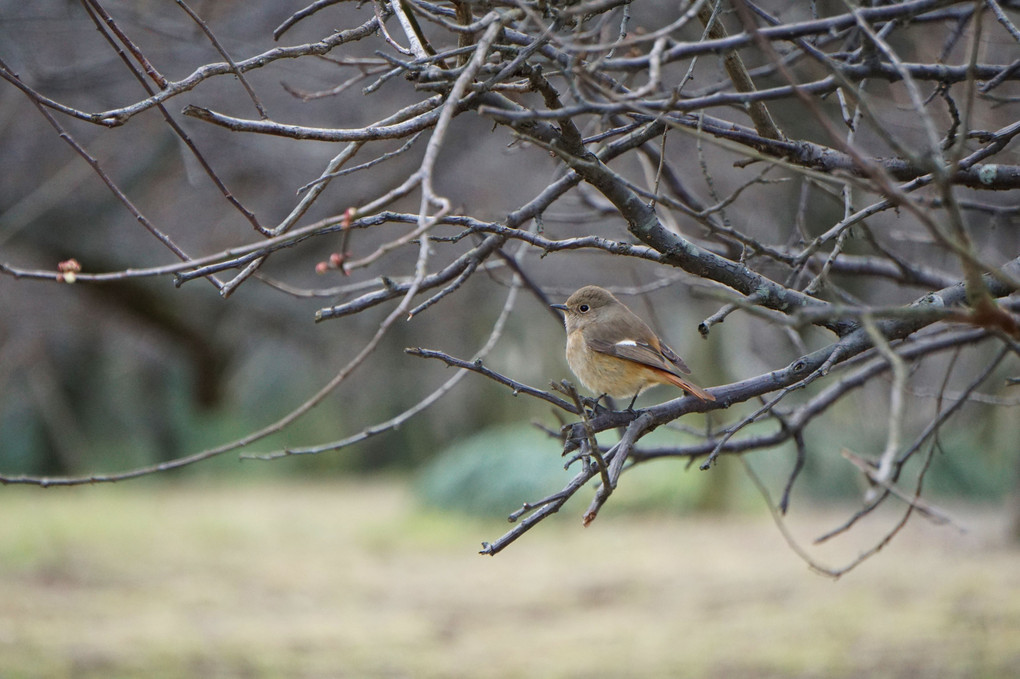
<point>688,387</point>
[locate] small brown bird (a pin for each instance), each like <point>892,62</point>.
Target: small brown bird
<point>614,352</point>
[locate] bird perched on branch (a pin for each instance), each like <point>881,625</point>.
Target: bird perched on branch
<point>614,353</point>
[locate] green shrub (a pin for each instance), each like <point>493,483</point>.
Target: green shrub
<point>493,472</point>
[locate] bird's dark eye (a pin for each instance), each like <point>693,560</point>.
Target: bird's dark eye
<point>583,308</point>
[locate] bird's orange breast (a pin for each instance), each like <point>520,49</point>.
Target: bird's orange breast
<point>604,374</point>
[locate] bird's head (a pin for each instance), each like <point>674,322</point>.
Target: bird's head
<point>590,304</point>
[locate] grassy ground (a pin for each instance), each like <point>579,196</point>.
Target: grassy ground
<point>353,580</point>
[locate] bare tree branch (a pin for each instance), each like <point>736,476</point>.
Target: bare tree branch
<point>546,146</point>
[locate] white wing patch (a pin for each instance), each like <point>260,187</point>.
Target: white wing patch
<point>626,343</point>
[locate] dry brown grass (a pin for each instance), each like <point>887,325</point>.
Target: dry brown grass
<point>353,580</point>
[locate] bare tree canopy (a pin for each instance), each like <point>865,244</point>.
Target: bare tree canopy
<point>839,178</point>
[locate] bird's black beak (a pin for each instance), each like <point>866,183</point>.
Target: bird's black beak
<point>561,307</point>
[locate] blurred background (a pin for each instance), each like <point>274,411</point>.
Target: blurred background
<point>361,562</point>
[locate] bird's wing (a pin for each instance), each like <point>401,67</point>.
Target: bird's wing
<point>672,357</point>
<point>639,352</point>
<point>664,360</point>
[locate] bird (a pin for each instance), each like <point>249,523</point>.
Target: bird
<point>614,353</point>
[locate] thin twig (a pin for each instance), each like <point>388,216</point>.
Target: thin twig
<point>204,27</point>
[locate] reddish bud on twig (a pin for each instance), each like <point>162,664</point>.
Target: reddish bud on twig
<point>335,261</point>
<point>68,269</point>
